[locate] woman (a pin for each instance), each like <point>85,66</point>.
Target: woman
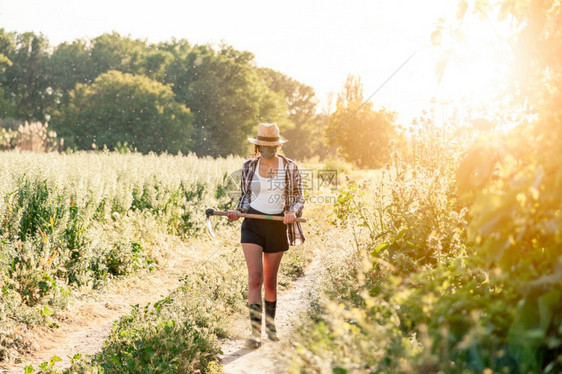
<point>271,184</point>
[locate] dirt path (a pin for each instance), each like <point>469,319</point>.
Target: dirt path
<point>269,357</point>
<point>86,324</point>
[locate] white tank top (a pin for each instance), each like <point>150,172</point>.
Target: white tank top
<point>268,194</point>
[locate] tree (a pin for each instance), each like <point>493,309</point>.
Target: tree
<point>124,108</point>
<point>306,136</point>
<point>115,52</point>
<point>227,96</point>
<point>71,64</point>
<point>361,134</point>
<point>225,91</point>
<point>155,63</point>
<point>7,49</point>
<point>28,78</point>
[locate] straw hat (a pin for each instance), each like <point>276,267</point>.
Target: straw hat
<point>268,135</point>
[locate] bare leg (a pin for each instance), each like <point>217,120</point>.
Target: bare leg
<point>271,262</point>
<point>253,255</point>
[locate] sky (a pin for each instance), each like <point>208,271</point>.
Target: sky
<point>315,42</point>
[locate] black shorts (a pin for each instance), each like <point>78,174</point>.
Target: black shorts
<point>270,235</point>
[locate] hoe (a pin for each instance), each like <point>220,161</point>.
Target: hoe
<point>210,212</point>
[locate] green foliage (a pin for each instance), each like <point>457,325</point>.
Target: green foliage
<point>390,314</point>
<point>224,90</point>
<point>27,78</point>
<point>227,96</point>
<point>8,108</point>
<point>7,45</point>
<point>155,63</point>
<point>153,341</point>
<point>152,121</point>
<point>71,64</point>
<point>516,232</point>
<point>437,296</point>
<point>306,137</point>
<point>426,302</point>
<point>115,52</point>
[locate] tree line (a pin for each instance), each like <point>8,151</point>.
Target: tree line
<point>166,97</point>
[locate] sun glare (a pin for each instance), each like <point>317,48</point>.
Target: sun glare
<point>473,67</point>
<point>473,75</point>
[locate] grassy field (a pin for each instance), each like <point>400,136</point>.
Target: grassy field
<point>72,222</point>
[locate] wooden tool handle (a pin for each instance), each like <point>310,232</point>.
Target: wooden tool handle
<point>259,216</point>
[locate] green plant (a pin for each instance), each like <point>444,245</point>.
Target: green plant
<point>71,221</point>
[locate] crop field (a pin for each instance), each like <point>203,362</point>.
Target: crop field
<point>74,224</point>
<point>70,222</point>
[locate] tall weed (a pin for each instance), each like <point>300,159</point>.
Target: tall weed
<point>464,272</point>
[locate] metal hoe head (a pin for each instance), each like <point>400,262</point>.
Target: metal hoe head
<point>210,212</point>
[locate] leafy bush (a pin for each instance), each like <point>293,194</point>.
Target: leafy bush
<point>405,223</point>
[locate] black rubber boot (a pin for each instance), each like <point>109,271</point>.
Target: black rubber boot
<point>254,341</point>
<point>270,307</point>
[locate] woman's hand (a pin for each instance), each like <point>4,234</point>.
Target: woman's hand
<point>289,217</point>
<point>233,215</point>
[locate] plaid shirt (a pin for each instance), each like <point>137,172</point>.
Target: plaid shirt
<point>294,197</point>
